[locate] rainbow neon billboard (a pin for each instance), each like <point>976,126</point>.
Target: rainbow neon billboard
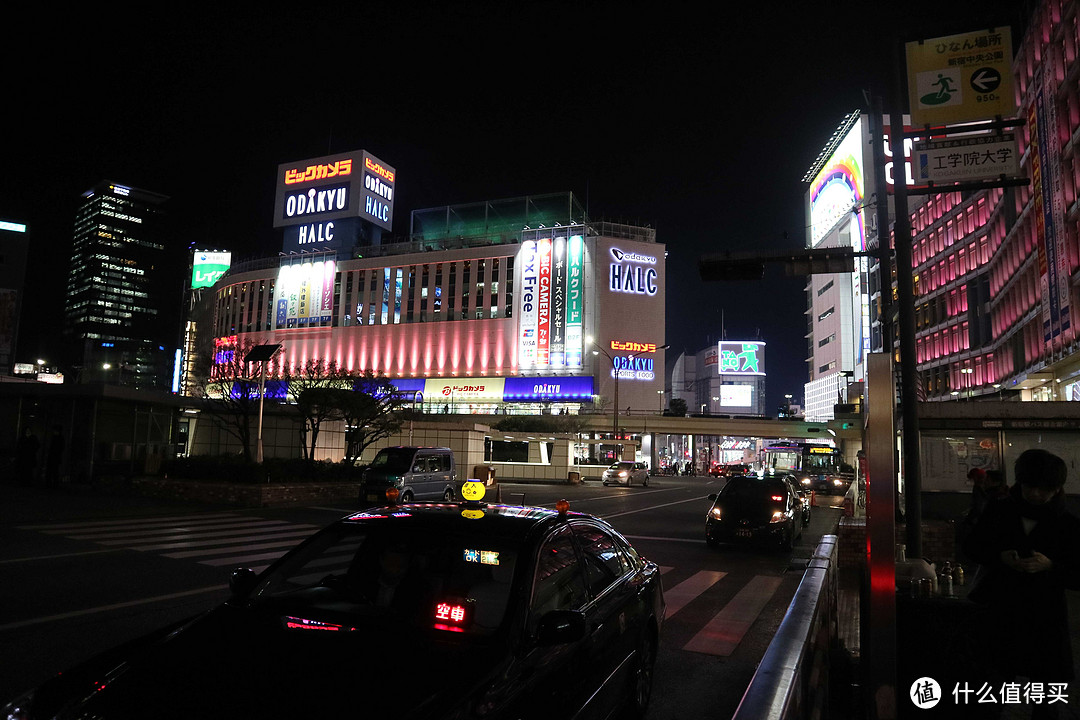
<point>839,188</point>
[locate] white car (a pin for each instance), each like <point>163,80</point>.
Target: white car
<point>625,473</point>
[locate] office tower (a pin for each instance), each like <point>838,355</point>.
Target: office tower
<point>14,245</point>
<point>115,319</point>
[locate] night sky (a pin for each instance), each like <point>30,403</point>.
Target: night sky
<point>662,114</point>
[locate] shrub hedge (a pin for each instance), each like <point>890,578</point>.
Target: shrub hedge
<point>233,468</point>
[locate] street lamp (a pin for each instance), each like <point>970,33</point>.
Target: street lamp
<point>966,372</point>
<point>661,394</point>
<point>261,354</point>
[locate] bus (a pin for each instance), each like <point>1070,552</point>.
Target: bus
<point>813,464</point>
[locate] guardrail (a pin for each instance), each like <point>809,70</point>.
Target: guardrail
<point>792,680</point>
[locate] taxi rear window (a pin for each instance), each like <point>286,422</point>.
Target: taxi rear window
<point>752,489</point>
<point>454,584</point>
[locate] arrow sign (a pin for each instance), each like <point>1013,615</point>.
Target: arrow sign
<point>985,80</point>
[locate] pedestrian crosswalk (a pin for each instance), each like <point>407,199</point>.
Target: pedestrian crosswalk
<point>226,539</point>
<point>215,539</point>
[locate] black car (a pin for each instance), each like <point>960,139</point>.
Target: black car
<point>755,510</point>
<point>805,495</point>
<point>405,611</point>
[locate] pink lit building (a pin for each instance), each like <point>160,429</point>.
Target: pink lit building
<point>996,271</point>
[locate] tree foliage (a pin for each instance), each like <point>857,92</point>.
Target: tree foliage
<point>372,412</point>
<point>311,384</point>
<point>677,407</point>
<point>230,389</point>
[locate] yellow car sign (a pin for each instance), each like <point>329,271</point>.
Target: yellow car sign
<point>473,490</point>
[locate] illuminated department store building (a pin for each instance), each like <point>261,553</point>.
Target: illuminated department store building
<point>509,306</point>
<point>996,272</point>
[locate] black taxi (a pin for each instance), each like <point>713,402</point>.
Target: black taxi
<point>408,611</point>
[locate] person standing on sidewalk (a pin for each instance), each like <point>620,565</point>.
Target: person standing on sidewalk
<point>1028,545</point>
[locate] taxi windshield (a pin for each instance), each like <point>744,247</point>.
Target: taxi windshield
<point>386,571</point>
<point>621,466</point>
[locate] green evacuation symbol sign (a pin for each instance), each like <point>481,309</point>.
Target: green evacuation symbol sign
<point>939,87</point>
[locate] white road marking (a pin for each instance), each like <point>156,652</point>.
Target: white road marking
<point>698,541</point>
<point>652,507</point>
<point>106,608</point>
<point>63,555</point>
<point>725,631</point>
<point>128,521</point>
<point>689,589</point>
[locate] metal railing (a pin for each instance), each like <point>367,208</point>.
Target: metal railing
<point>792,679</point>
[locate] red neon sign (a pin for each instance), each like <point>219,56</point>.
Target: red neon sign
<point>378,170</point>
<point>319,172</point>
<point>631,346</point>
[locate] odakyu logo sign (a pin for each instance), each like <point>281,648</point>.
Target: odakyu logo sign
<point>632,273</point>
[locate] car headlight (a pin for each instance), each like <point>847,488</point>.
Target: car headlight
<point>806,481</point>
<point>778,516</point>
<point>622,473</point>
<point>715,513</point>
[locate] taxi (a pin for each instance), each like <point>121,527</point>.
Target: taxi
<point>434,610</point>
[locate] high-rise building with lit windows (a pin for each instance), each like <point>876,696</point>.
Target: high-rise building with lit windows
<point>117,293</point>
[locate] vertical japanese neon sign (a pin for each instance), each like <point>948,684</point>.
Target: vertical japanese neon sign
<point>543,324</point>
<point>527,317</point>
<point>575,293</point>
<point>558,302</point>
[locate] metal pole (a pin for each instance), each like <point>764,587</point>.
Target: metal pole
<point>905,297</point>
<point>262,398</point>
<point>882,216</point>
<point>615,414</point>
<point>879,623</point>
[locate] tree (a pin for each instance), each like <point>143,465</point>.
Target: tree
<point>372,411</point>
<point>677,406</point>
<point>230,389</point>
<point>308,384</point>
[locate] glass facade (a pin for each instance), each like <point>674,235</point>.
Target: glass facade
<point>113,306</point>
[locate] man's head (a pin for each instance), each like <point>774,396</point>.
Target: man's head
<point>1040,474</point>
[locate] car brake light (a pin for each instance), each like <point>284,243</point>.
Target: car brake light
<point>778,498</point>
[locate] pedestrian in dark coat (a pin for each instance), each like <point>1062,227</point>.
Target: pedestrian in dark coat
<point>1028,545</point>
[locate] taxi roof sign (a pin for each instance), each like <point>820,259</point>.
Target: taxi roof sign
<point>473,490</point>
<point>961,78</point>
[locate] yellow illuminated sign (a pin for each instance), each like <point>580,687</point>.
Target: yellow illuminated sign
<point>473,490</point>
<point>961,78</point>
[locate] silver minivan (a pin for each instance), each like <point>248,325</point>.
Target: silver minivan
<point>416,473</point>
